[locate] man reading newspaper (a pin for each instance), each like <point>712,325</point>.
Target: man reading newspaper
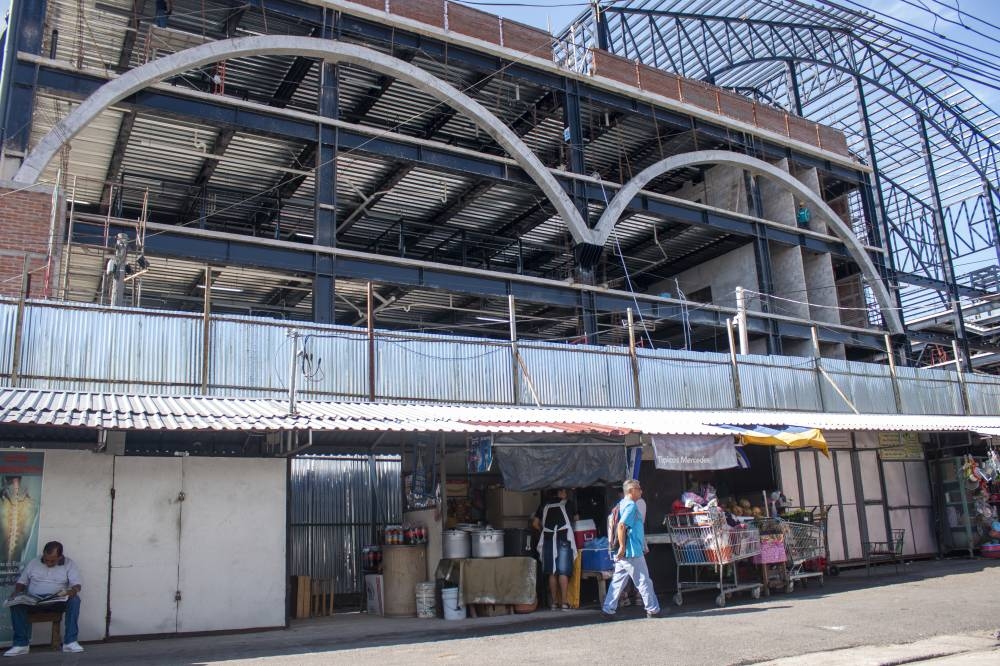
<point>51,575</point>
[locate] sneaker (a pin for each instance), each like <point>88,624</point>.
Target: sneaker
<point>654,616</point>
<point>565,607</point>
<point>72,647</point>
<point>17,651</point>
<point>607,617</point>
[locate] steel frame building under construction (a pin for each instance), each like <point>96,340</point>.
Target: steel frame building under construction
<point>278,158</point>
<point>671,218</point>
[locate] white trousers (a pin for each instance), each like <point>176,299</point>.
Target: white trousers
<point>636,569</point>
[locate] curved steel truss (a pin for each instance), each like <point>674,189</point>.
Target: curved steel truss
<point>933,145</point>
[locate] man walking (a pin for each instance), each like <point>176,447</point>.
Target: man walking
<point>630,560</point>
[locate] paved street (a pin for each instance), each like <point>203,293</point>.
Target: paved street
<point>943,613</point>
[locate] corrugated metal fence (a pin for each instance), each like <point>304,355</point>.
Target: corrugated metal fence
<point>93,348</point>
<point>338,505</point>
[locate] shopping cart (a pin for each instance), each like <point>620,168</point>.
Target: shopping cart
<point>704,541</point>
<point>804,543</point>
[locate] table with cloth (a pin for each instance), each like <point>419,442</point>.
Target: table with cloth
<point>495,580</point>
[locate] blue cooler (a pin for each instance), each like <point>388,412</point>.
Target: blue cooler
<point>596,556</point>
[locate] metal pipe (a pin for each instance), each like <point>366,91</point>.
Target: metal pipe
<point>890,354</point>
<point>515,354</point>
<point>206,331</point>
<point>371,342</point>
<point>633,356</point>
<point>293,370</point>
<point>741,318</point>
<point>733,365</point>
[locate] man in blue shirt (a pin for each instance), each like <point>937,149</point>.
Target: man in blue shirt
<point>630,560</point>
<point>51,574</point>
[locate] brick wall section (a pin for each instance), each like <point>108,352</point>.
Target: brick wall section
<point>832,140</point>
<point>474,23</point>
<point>802,130</point>
<point>526,39</point>
<point>374,4</point>
<point>770,118</point>
<point>614,67</point>
<point>430,12</point>
<point>700,94</point>
<point>715,99</point>
<point>24,229</point>
<point>736,106</point>
<point>659,82</point>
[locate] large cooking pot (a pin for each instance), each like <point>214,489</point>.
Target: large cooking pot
<point>487,543</point>
<point>455,545</point>
<point>518,542</point>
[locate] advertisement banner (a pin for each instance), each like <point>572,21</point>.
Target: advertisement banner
<point>694,452</point>
<point>900,446</point>
<point>20,498</point>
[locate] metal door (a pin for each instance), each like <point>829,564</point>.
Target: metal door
<point>233,509</point>
<point>908,496</point>
<point>145,540</point>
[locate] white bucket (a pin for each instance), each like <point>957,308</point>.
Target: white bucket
<point>449,599</point>
<point>425,599</point>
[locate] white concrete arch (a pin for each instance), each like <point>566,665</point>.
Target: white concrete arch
<point>728,158</point>
<point>334,51</point>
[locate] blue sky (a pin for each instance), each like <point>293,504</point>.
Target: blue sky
<point>558,13</point>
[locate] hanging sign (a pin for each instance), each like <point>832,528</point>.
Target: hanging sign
<point>900,446</point>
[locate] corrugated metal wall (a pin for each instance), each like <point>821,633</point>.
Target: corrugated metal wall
<point>91,348</point>
<point>338,504</point>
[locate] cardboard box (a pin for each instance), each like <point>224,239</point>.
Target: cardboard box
<point>374,594</point>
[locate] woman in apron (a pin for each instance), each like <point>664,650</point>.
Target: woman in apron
<point>556,544</point>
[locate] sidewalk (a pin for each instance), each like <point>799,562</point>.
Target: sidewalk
<point>323,639</point>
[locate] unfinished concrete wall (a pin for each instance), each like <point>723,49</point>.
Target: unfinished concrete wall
<point>722,188</point>
<point>723,274</point>
<point>821,283</point>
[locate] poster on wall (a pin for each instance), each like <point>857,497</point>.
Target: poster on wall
<point>480,454</point>
<point>900,446</point>
<point>20,499</point>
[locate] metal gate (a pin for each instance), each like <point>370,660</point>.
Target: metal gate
<point>339,504</point>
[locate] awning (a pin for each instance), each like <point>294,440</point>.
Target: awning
<point>794,437</point>
<point>537,462</point>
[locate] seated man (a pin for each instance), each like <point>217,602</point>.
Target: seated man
<point>50,574</point>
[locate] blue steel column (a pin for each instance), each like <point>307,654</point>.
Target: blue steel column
<point>793,86</point>
<point>762,260</point>
<point>944,248</point>
<point>24,33</point>
<point>325,230</point>
<point>874,208</point>
<point>585,255</point>
<point>991,210</point>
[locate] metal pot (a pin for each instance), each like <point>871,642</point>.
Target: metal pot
<point>487,543</point>
<point>455,545</point>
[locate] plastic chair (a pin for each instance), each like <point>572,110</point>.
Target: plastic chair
<point>884,551</point>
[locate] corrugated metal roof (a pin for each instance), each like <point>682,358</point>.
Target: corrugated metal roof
<point>27,407</point>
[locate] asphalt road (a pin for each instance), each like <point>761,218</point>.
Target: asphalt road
<point>934,609</point>
<point>744,632</point>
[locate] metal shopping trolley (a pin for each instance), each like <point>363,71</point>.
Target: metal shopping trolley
<point>704,540</point>
<point>804,543</point>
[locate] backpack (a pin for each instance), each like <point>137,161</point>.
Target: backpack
<point>613,519</point>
